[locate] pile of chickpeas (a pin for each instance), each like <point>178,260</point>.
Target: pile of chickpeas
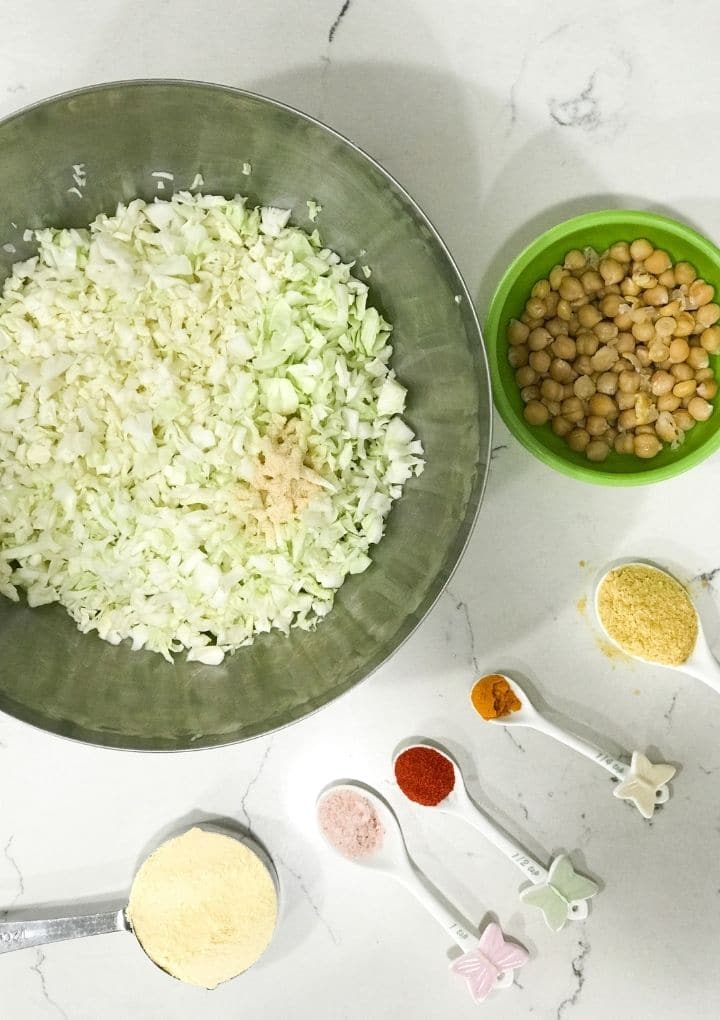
<point>614,350</point>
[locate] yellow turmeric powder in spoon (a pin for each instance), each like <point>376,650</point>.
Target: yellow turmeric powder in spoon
<point>493,697</point>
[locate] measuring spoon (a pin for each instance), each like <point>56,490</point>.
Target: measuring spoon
<point>566,892</point>
<point>488,961</point>
<point>20,934</point>
<point>701,663</point>
<point>642,783</point>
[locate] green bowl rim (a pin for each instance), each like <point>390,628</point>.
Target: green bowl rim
<point>521,432</point>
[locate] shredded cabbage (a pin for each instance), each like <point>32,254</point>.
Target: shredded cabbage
<point>200,434</point>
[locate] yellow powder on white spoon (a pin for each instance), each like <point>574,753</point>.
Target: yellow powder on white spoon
<point>648,613</point>
<point>203,907</point>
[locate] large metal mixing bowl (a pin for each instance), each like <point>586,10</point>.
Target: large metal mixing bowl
<point>79,686</point>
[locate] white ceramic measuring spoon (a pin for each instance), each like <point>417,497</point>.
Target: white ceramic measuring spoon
<point>641,782</point>
<point>561,893</point>
<point>701,663</point>
<point>488,962</point>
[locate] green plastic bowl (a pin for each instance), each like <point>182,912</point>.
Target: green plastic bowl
<point>600,230</point>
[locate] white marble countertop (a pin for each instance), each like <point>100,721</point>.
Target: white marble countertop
<point>501,119</point>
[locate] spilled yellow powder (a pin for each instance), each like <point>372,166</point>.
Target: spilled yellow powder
<point>582,604</point>
<point>648,613</point>
<point>203,907</point>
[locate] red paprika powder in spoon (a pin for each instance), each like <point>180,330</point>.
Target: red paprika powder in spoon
<point>424,775</point>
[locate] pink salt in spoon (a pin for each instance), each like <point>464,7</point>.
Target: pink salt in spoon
<point>362,827</point>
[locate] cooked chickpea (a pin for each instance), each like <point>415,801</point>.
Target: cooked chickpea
<point>525,376</point>
<point>628,419</point>
<point>541,289</point>
<point>540,361</point>
<point>551,302</point>
<point>611,270</point>
<point>610,305</point>
<point>629,288</point>
<point>646,446</point>
<point>572,409</point>
<point>698,358</point>
<point>529,393</point>
<point>658,351</point>
<point>604,359</point>
<point>561,426</point>
<point>699,409</point>
<point>685,324</point>
<point>583,365</point>
<point>643,331</point>
<point>596,425</point>
<point>620,251</point>
<point>666,428</point>
<point>657,296</point>
<point>623,443</point>
<point>553,406</point>
<point>661,383</point>
<point>684,274</point>
<point>529,321</point>
<point>535,307</point>
<point>584,387</point>
<point>710,340</point>
<point>587,344</point>
<point>625,343</point>
<point>578,440</point>
<point>641,353</point>
<point>517,332</point>
<point>668,402</point>
<point>679,350</point>
<point>575,260</point>
<point>628,382</point>
<point>539,339</point>
<point>561,371</point>
<point>589,316</point>
<point>707,315</point>
<point>556,275</point>
<point>518,356</point>
<point>644,280</point>
<point>682,372</point>
<point>684,420</point>
<point>625,401</point>
<point>606,331</point>
<point>597,450</point>
<point>607,382</point>
<point>551,390</point>
<point>707,389</point>
<point>665,326</point>
<point>536,413</point>
<point>667,279</point>
<point>556,326</point>
<point>602,405</point>
<point>645,430</point>
<point>564,347</point>
<point>592,281</point>
<point>657,262</point>
<point>563,310</point>
<point>684,389</point>
<point>700,293</point>
<point>571,289</point>
<point>641,249</point>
